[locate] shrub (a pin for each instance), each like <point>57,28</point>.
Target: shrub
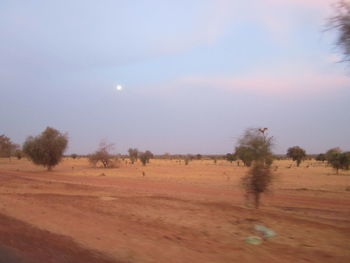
<point>297,154</point>
<point>7,147</point>
<point>47,148</point>
<point>230,157</point>
<point>149,156</point>
<point>338,160</point>
<point>103,156</point>
<point>321,157</point>
<point>258,146</point>
<point>133,154</point>
<point>257,181</point>
<point>143,158</point>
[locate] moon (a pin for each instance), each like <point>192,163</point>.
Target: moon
<point>119,87</point>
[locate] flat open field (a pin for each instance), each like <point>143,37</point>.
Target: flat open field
<point>169,212</point>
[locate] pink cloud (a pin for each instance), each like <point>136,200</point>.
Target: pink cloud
<point>268,83</point>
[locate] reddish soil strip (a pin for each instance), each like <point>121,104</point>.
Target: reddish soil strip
<point>23,243</point>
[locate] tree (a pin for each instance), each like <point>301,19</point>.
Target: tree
<point>47,148</point>
<point>7,147</point>
<point>258,146</point>
<point>297,154</point>
<point>133,154</point>
<point>341,23</point>
<point>257,181</point>
<point>245,154</point>
<point>187,159</point>
<point>74,155</point>
<point>143,158</point>
<point>19,154</point>
<point>331,152</point>
<point>338,160</point>
<point>149,156</point>
<point>198,156</point>
<point>259,176</point>
<point>321,157</point>
<point>254,145</point>
<point>102,155</point>
<point>230,157</point>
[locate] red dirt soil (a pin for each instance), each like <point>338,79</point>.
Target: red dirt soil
<point>66,217</point>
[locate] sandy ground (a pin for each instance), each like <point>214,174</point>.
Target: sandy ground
<point>170,212</point>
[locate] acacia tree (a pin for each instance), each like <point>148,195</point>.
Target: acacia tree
<point>133,154</point>
<point>7,147</point>
<point>245,154</point>
<point>321,157</point>
<point>297,154</point>
<point>338,160</point>
<point>145,157</point>
<point>47,148</point>
<point>259,176</point>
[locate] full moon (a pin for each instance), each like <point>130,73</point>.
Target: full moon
<point>119,87</point>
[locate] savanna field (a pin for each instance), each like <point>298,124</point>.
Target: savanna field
<point>167,211</point>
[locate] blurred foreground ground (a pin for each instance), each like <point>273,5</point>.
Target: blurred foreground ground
<point>169,212</point>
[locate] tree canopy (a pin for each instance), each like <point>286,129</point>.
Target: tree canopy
<point>133,154</point>
<point>47,148</point>
<point>254,145</point>
<point>297,154</point>
<point>7,147</point>
<point>338,160</point>
<point>255,148</point>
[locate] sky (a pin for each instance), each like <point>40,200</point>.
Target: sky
<point>195,74</point>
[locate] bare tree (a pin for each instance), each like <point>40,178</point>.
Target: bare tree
<point>103,155</point>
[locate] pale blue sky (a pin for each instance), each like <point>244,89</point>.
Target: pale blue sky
<point>195,74</point>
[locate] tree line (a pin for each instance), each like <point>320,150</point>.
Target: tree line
<point>47,149</point>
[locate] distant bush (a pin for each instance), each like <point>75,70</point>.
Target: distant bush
<point>7,147</point>
<point>187,159</point>
<point>338,160</point>
<point>133,155</point>
<point>149,156</point>
<point>143,158</point>
<point>47,148</point>
<point>230,157</point>
<point>297,154</point>
<point>103,156</point>
<point>245,154</point>
<point>320,157</point>
<point>74,156</point>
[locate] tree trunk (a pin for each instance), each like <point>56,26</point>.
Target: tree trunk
<point>257,200</point>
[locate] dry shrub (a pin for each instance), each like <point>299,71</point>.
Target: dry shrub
<point>257,181</point>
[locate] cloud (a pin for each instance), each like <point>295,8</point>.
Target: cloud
<point>297,82</point>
